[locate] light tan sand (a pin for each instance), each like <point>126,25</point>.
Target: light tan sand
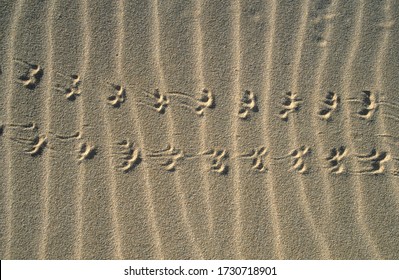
<point>199,129</point>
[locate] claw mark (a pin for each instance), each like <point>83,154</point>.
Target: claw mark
<point>375,162</point>
<point>34,145</point>
<point>1,130</point>
<point>169,157</point>
<point>298,159</point>
<point>128,155</point>
<point>204,100</point>
<point>330,104</point>
<point>291,104</point>
<point>247,104</point>
<point>86,151</point>
<point>335,158</point>
<point>217,160</point>
<point>32,76</point>
<point>71,87</point>
<point>161,101</point>
<point>118,97</point>
<point>257,156</point>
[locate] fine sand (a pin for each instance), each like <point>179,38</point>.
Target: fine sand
<point>199,129</point>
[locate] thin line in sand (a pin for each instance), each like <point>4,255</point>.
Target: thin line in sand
<point>47,121</point>
<point>157,55</point>
<point>325,252</point>
<point>269,179</point>
<point>379,81</point>
<point>198,48</point>
<point>316,90</point>
<point>238,229</point>
<point>348,128</point>
<point>147,187</point>
<point>9,92</point>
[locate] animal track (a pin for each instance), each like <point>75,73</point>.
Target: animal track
<point>247,104</point>
<point>34,146</point>
<point>298,159</point>
<point>159,102</point>
<point>291,104</point>
<point>330,104</point>
<point>71,86</point>
<point>32,76</point>
<point>86,151</point>
<point>127,155</point>
<point>370,105</point>
<point>375,162</point>
<point>335,158</point>
<point>257,157</point>
<point>204,100</point>
<point>218,158</point>
<point>169,157</point>
<point>118,97</point>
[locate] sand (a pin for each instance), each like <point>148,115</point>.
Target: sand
<point>199,129</point>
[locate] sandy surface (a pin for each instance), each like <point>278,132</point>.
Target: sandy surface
<point>199,129</point>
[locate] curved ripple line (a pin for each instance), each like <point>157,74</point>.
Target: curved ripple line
<point>347,126</point>
<point>8,193</point>
<point>157,54</point>
<point>325,251</point>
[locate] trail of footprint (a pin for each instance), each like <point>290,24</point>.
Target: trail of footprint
<point>118,96</point>
<point>86,151</point>
<point>168,157</point>
<point>32,76</point>
<point>248,103</point>
<point>70,86</point>
<point>204,100</point>
<point>330,105</point>
<point>127,156</point>
<point>257,157</point>
<point>291,103</point>
<point>335,160</point>
<point>298,157</point>
<point>375,162</point>
<point>157,101</point>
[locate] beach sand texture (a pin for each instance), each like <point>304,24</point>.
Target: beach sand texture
<point>199,129</point>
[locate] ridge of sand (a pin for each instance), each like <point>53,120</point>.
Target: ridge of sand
<point>293,127</point>
<point>347,85</point>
